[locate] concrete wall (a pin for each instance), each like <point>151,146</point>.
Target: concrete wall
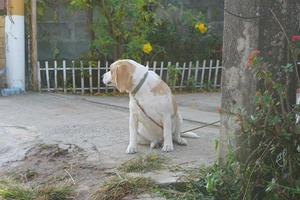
<point>62,32</point>
<point>2,53</point>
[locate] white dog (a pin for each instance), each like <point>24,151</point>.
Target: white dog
<point>154,117</point>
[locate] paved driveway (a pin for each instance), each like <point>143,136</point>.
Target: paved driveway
<point>92,124</point>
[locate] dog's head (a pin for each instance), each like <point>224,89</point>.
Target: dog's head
<point>120,75</point>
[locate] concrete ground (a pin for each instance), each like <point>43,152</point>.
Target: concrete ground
<point>98,127</point>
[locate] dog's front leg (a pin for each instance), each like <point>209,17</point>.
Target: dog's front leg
<point>167,131</point>
<point>133,122</point>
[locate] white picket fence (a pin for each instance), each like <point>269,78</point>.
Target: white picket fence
<point>85,77</point>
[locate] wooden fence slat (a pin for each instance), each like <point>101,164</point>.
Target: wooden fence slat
<point>203,72</point>
<point>190,70</point>
<point>182,75</point>
<point>91,78</point>
<point>82,77</point>
<point>196,71</point>
<point>216,74</point>
<point>39,76</point>
<point>73,77</point>
<point>47,76</point>
<point>175,81</point>
<point>154,66</point>
<point>209,73</point>
<point>161,69</point>
<point>55,75</point>
<point>169,64</point>
<point>64,76</point>
<point>106,70</point>
<point>99,77</point>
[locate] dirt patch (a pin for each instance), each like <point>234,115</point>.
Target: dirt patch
<point>50,164</point>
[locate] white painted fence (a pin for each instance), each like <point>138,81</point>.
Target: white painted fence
<point>82,77</point>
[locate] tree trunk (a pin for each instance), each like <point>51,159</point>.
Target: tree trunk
<point>238,83</point>
<point>264,25</point>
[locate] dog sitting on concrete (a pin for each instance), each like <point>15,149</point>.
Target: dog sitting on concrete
<point>154,117</point>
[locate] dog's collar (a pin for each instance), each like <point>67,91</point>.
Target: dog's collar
<point>139,85</point>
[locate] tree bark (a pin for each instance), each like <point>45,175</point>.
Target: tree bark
<point>238,83</point>
<point>248,24</point>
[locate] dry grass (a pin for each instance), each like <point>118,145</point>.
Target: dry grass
<point>13,190</point>
<point>146,163</point>
<point>118,187</point>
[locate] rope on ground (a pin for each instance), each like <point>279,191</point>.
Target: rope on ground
<point>125,108</point>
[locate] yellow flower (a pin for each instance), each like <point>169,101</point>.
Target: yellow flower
<point>201,27</point>
<point>147,48</point>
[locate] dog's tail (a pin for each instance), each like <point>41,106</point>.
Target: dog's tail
<point>189,135</point>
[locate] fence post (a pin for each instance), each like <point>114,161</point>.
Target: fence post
<point>161,69</point>
<point>64,76</point>
<point>167,77</point>
<point>202,73</point>
<point>82,77</point>
<point>55,75</point>
<point>182,76</point>
<point>196,71</point>
<point>99,77</point>
<point>91,78</point>
<point>154,66</point>
<point>210,69</point>
<point>39,76</point>
<point>216,74</point>
<point>47,76</point>
<point>190,70</point>
<point>176,67</point>
<point>106,70</point>
<point>73,77</point>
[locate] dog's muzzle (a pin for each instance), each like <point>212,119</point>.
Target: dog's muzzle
<point>106,79</point>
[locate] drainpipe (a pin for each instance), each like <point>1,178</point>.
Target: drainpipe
<point>15,45</point>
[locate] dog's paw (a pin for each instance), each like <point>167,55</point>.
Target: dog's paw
<point>131,149</point>
<point>167,148</point>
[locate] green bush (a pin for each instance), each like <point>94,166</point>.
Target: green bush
<point>147,30</point>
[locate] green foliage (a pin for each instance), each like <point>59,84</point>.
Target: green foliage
<point>271,169</point>
<point>191,83</point>
<point>121,28</point>
<point>180,39</point>
<point>174,75</point>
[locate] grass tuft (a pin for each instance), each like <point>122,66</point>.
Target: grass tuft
<point>118,187</point>
<point>147,163</point>
<point>55,192</point>
<point>13,190</point>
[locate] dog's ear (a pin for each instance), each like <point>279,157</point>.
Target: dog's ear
<point>122,75</point>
